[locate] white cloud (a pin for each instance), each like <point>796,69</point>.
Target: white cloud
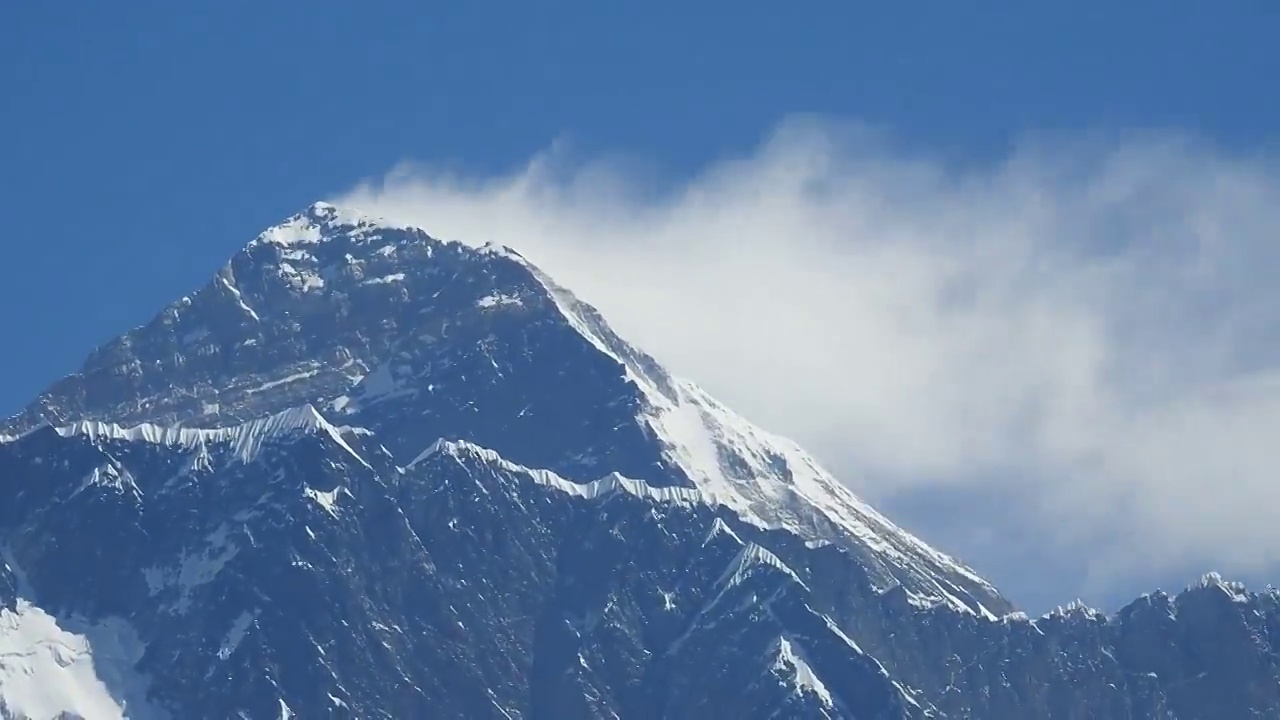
<point>1089,328</point>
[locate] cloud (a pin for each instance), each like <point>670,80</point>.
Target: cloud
<point>1081,337</point>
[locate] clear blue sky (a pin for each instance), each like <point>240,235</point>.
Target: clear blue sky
<point>144,141</point>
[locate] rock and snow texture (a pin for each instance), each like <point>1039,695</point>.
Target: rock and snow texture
<point>45,670</point>
<point>67,668</point>
<point>469,346</point>
<point>52,669</point>
<point>367,473</point>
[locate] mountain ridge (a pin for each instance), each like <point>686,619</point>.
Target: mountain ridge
<point>366,473</point>
<point>673,410</point>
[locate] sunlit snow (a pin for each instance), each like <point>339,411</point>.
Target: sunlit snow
<point>50,669</point>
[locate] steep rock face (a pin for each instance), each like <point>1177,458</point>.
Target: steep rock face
<point>335,291</point>
<point>366,473</point>
<point>417,339</point>
<point>8,587</point>
<point>297,567</point>
<point>1208,652</point>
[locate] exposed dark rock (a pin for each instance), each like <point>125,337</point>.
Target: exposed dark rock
<point>365,473</point>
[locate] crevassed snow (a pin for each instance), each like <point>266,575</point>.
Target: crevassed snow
<point>49,668</point>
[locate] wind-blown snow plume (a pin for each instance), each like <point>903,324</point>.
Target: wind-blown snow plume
<point>1086,330</point>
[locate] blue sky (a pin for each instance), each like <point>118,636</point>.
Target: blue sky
<point>146,141</point>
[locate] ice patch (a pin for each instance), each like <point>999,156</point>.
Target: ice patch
<point>497,299</point>
<point>295,377</point>
<point>239,628</point>
<point>326,500</point>
<point>385,279</point>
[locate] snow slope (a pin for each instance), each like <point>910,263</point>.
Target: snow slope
<point>51,668</point>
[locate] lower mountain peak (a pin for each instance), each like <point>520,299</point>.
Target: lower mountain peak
<point>751,557</point>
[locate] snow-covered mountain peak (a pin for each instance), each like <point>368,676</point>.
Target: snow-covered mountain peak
<point>317,222</point>
<point>385,327</point>
<point>367,473</point>
<point>1234,589</point>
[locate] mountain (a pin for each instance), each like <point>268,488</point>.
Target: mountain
<point>367,473</point>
